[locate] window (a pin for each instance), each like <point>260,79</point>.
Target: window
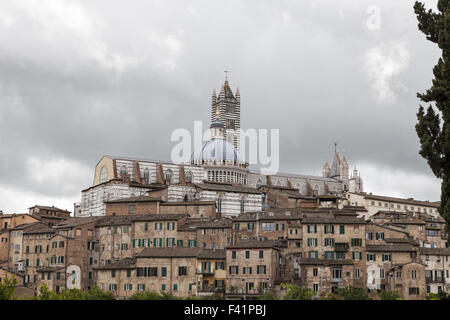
<point>163,287</point>
<point>182,271</point>
<point>413,274</point>
<point>315,272</point>
<point>233,254</point>
<point>369,236</point>
<point>128,273</point>
<point>340,255</point>
<point>312,242</point>
<point>315,287</point>
<point>250,226</point>
<point>371,257</point>
<point>328,228</point>
<point>312,228</point>
<point>381,273</point>
<point>113,273</point>
<point>175,287</point>
<point>168,176</point>
<point>61,244</point>
<point>261,269</point>
<point>128,286</point>
<point>380,235</point>
<point>386,257</point>
<point>341,229</point>
<point>234,269</point>
<point>268,226</point>
<point>357,274</point>
<point>261,254</point>
<point>337,274</point>
<point>141,287</point>
<point>413,291</point>
<point>103,174</point>
<point>188,176</point>
<point>313,254</point>
<point>112,287</point>
<point>356,242</point>
<point>329,242</point>
<point>146,176</point>
<point>247,254</point>
<point>153,271</point>
<point>398,274</point>
<point>247,270</point>
<point>146,226</point>
<point>131,209</point>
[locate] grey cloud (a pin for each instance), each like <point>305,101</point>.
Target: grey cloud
<point>123,76</point>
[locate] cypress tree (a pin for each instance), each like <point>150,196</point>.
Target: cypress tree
<point>433,126</point>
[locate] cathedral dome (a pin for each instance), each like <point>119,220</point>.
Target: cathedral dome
<point>216,150</point>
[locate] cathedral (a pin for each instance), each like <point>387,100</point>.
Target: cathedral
<point>216,172</point>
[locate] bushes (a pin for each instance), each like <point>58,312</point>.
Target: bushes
<point>152,295</point>
<point>294,292</point>
<point>352,293</point>
<point>389,295</point>
<point>268,296</point>
<point>8,287</point>
<point>94,293</point>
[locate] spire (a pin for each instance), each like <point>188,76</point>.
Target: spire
<point>237,92</point>
<point>214,97</point>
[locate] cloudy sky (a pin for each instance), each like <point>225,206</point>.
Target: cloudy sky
<point>82,79</point>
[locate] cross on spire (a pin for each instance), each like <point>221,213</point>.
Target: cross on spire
<point>335,146</point>
<point>226,72</point>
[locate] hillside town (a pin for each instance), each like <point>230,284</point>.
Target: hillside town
<point>215,227</point>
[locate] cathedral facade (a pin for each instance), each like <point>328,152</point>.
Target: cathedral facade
<point>216,172</point>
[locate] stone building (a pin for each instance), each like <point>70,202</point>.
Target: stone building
<point>327,275</point>
<point>253,267</point>
<point>437,269</point>
<point>408,279</point>
<point>181,272</point>
<point>375,203</point>
<point>16,262</point>
<point>61,256</point>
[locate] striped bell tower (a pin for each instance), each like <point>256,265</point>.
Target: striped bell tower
<point>226,107</point>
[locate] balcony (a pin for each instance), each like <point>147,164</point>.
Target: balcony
<point>343,247</point>
<point>211,289</point>
<point>336,280</point>
<point>205,272</point>
<point>435,280</point>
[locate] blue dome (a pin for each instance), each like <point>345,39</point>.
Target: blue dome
<point>216,149</point>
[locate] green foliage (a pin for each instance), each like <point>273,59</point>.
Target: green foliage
<point>8,287</point>
<point>268,296</point>
<point>329,296</point>
<point>433,296</point>
<point>46,294</point>
<point>94,293</point>
<point>438,296</point>
<point>352,293</point>
<point>294,292</point>
<point>434,136</point>
<point>389,295</point>
<point>152,295</point>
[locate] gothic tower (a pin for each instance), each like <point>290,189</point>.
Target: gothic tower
<point>227,108</point>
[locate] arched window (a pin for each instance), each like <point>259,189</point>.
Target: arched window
<point>168,176</point>
<point>258,183</point>
<point>103,174</point>
<point>123,170</point>
<point>146,176</point>
<point>189,176</point>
